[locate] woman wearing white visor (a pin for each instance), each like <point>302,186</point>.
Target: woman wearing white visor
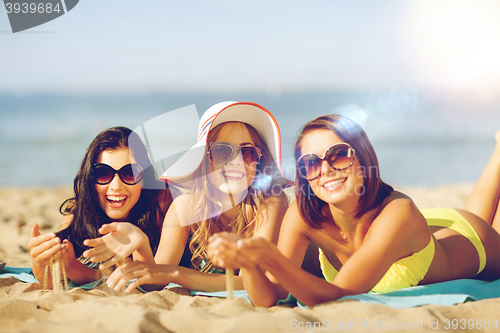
<point>233,183</point>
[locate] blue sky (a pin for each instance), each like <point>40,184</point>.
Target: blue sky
<point>262,46</point>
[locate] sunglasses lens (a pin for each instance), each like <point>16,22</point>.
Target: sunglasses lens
<point>220,153</point>
<point>250,154</point>
<point>340,157</point>
<point>310,166</point>
<point>131,174</point>
<point>103,174</point>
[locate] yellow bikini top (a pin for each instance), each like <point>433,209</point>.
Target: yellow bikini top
<point>404,273</point>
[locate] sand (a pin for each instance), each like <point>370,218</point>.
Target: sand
<point>25,307</point>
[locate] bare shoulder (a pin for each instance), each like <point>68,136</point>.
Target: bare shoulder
<point>399,215</point>
<point>398,203</point>
<point>293,219</point>
<point>272,211</point>
<point>178,212</point>
<point>166,196</point>
<point>275,202</point>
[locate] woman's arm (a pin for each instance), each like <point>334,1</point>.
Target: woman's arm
<point>265,290</point>
<point>75,270</point>
<point>173,240</point>
<point>42,248</point>
<point>45,247</point>
<point>398,231</point>
<point>162,275</point>
<point>175,232</point>
<point>120,240</point>
<point>273,212</point>
<point>229,250</point>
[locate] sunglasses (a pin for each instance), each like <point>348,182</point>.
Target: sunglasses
<point>223,152</point>
<point>129,174</point>
<point>340,156</point>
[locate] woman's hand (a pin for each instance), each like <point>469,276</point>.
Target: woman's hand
<point>120,240</point>
<point>145,273</point>
<point>67,252</point>
<point>231,251</point>
<point>43,247</point>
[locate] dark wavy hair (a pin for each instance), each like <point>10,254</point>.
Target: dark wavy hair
<point>375,190</point>
<point>88,216</point>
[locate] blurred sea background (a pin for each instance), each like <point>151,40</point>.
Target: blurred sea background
<point>421,76</point>
<point>421,139</point>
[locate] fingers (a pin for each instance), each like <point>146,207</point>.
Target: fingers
<point>38,239</point>
<point>93,242</point>
<point>46,251</point>
<point>104,256</point>
<point>67,252</point>
<point>135,284</point>
<point>107,228</point>
<point>126,278</point>
<point>114,277</point>
<point>108,263</point>
<point>95,251</point>
<point>123,274</point>
<point>35,231</point>
<point>225,253</point>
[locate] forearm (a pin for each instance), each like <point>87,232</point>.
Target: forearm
<point>75,271</point>
<point>196,280</point>
<point>306,287</point>
<point>261,290</point>
<point>38,271</point>
<point>81,274</point>
<point>144,253</point>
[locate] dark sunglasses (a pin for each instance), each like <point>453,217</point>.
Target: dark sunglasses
<point>223,152</point>
<point>340,156</point>
<point>129,174</point>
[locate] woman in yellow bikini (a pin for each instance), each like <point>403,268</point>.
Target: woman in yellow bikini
<point>370,236</point>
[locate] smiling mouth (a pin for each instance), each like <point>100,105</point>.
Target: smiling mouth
<point>331,185</point>
<point>233,175</point>
<point>116,200</point>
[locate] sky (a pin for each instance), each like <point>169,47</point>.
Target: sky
<point>262,46</point>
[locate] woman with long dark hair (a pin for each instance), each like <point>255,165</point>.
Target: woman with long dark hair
<point>115,191</point>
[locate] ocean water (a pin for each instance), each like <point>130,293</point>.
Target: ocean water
<point>421,139</point>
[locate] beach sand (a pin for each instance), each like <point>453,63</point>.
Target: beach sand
<point>25,307</point>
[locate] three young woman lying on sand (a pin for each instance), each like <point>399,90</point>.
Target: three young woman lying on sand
<point>370,237</point>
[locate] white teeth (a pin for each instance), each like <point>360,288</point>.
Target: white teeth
<point>233,174</point>
<point>331,185</point>
<point>115,198</point>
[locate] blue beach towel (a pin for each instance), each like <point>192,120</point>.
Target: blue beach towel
<point>444,293</point>
<point>26,275</point>
<point>20,273</point>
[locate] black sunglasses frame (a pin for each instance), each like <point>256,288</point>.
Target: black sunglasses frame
<point>137,178</point>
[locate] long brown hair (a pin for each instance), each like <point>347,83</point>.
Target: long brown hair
<point>375,190</point>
